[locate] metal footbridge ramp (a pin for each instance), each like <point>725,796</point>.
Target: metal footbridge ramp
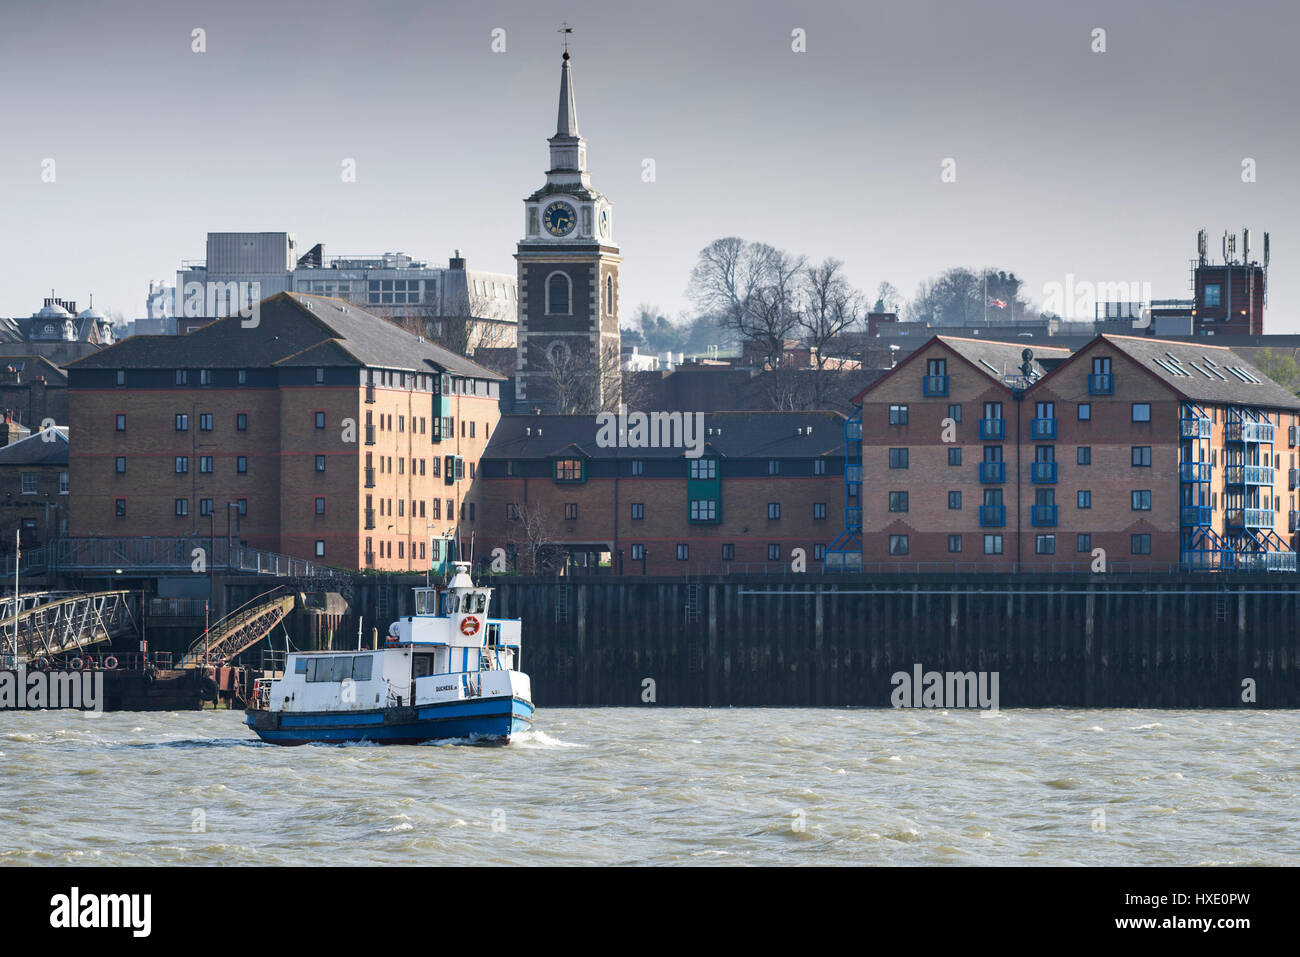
<point>240,630</point>
<point>55,623</point>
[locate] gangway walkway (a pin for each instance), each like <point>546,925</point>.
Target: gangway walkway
<point>240,630</point>
<point>66,623</point>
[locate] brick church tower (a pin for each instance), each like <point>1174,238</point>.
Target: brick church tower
<point>568,281</point>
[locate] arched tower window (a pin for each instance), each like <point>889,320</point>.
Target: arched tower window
<point>559,295</point>
<point>609,295</point>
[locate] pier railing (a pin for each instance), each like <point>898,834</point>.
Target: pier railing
<point>971,568</point>
<point>149,554</point>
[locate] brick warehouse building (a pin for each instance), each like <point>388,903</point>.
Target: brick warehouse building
<point>321,432</point>
<point>765,483</point>
<point>1157,452</point>
<point>34,488</point>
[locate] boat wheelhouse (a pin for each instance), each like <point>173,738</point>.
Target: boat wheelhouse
<point>447,671</point>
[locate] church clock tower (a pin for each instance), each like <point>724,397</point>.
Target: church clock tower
<point>568,280</point>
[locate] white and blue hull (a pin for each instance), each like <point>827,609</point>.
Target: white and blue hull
<point>479,720</point>
<point>446,673</point>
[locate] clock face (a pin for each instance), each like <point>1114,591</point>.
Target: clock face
<point>604,222</point>
<point>559,219</point>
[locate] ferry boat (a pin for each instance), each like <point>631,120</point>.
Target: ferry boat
<point>446,672</point>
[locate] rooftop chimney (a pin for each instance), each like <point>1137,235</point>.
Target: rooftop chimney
<point>457,261</point>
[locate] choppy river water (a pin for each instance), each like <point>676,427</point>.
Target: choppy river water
<point>664,786</point>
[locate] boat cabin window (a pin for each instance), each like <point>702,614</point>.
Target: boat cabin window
<point>474,603</point>
<point>339,668</point>
<point>421,666</point>
<point>300,666</point>
<point>425,601</point>
<point>451,602</point>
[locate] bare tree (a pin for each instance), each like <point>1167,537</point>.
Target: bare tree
<point>751,289</point>
<point>828,307</point>
<point>887,298</point>
<point>533,537</point>
<point>581,381</point>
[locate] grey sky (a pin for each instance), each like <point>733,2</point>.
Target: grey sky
<point>1101,165</point>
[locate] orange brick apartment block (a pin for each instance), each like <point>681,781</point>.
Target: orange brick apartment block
<point>977,454</point>
<point>764,484</point>
<point>321,432</point>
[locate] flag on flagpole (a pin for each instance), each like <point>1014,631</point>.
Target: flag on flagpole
<point>997,303</point>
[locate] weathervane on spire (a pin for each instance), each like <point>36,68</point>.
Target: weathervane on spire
<point>565,30</point>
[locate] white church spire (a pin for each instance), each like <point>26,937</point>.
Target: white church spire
<point>567,124</point>
<point>568,148</point>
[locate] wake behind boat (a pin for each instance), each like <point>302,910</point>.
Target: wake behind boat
<point>446,672</point>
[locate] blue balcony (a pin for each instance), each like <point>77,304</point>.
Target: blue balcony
<point>1260,474</point>
<point>1249,432</point>
<point>1292,479</point>
<point>1291,518</point>
<point>1195,472</point>
<point>1042,473</point>
<point>1249,474</point>
<point>993,516</point>
<point>991,430</point>
<point>1043,516</point>
<point>1042,428</point>
<point>1101,383</point>
<point>853,474</point>
<point>1277,561</point>
<point>1249,518</point>
<point>1196,428</point>
<point>853,430</point>
<point>853,517</point>
<point>993,472</point>
<point>1197,515</point>
<point>934,385</point>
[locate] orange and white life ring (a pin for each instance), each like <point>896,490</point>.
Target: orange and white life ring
<point>469,626</point>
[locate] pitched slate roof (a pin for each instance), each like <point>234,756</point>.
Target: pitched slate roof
<point>996,359</point>
<point>993,359</point>
<point>32,366</point>
<point>1205,373</point>
<point>46,447</point>
<point>294,329</point>
<point>727,434</point>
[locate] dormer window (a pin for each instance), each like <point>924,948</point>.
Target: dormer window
<point>568,470</point>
